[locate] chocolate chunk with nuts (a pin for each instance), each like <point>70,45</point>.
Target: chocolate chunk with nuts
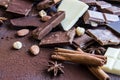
<point>45,28</point>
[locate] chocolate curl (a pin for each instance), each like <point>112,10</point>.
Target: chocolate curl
<point>79,58</point>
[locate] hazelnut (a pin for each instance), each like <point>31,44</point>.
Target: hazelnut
<point>45,18</point>
<point>35,49</point>
<point>42,13</point>
<point>22,32</point>
<point>94,24</point>
<point>80,31</point>
<point>17,45</point>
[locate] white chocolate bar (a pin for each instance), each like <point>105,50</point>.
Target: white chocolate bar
<point>113,61</point>
<point>74,9</point>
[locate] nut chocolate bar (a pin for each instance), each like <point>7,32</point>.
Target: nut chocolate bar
<point>58,38</point>
<point>104,36</point>
<point>46,27</point>
<point>32,21</point>
<point>21,7</point>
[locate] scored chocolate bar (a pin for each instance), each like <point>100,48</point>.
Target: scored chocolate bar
<point>58,38</point>
<point>46,27</point>
<point>32,21</point>
<point>104,36</point>
<point>83,41</point>
<point>21,7</point>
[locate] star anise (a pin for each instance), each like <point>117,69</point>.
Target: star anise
<point>96,50</point>
<point>2,19</point>
<point>55,68</point>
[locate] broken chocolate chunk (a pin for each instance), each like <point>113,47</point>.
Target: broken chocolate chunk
<point>30,21</point>
<point>46,27</point>
<point>58,38</point>
<point>83,41</point>
<point>104,36</point>
<point>115,26</point>
<point>55,68</point>
<point>21,7</point>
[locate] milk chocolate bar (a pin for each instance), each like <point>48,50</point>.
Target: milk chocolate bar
<point>58,38</point>
<point>4,3</point>
<point>115,26</point>
<point>83,41</point>
<point>21,7</point>
<point>112,10</point>
<point>89,2</point>
<point>46,27</point>
<point>110,17</point>
<point>104,36</point>
<point>93,16</point>
<point>103,4</point>
<point>30,21</point>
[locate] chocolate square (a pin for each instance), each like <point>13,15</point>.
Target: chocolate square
<point>115,26</point>
<point>110,17</point>
<point>112,10</point>
<point>103,4</point>
<point>58,38</point>
<point>21,7</point>
<point>104,36</point>
<point>93,16</point>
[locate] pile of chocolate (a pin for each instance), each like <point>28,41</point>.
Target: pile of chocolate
<point>90,29</point>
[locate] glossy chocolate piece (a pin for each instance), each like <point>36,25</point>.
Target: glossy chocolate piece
<point>115,26</point>
<point>31,21</point>
<point>113,10</point>
<point>103,4</point>
<point>58,38</point>
<point>110,17</point>
<point>21,7</point>
<point>104,36</point>
<point>93,16</point>
<point>45,28</point>
<point>83,41</point>
<point>89,2</point>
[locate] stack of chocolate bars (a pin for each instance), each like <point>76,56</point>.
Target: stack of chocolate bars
<point>76,33</point>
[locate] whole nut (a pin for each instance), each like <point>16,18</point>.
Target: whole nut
<point>94,24</point>
<point>35,49</point>
<point>17,45</point>
<point>42,13</point>
<point>45,18</point>
<point>80,31</point>
<point>23,32</point>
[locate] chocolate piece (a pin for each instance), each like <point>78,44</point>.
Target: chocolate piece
<point>21,7</point>
<point>32,21</point>
<point>110,17</point>
<point>93,16</point>
<point>58,38</point>
<point>4,3</point>
<point>89,2</point>
<point>115,26</point>
<point>112,10</point>
<point>45,28</point>
<point>104,36</point>
<point>83,41</point>
<point>103,4</point>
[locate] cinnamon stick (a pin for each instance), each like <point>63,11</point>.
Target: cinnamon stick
<point>79,58</point>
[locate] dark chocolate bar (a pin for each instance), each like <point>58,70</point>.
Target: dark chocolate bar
<point>32,21</point>
<point>46,27</point>
<point>115,26</point>
<point>104,36</point>
<point>58,38</point>
<point>21,7</point>
<point>112,10</point>
<point>83,41</point>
